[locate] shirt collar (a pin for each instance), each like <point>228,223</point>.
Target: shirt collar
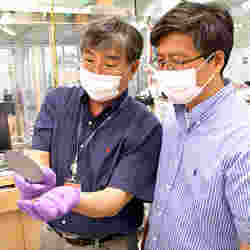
<point>206,107</point>
<point>114,104</point>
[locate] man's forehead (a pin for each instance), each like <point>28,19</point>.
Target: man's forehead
<point>176,44</point>
<point>113,52</point>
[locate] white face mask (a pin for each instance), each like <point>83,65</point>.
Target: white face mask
<point>181,85</point>
<point>99,87</point>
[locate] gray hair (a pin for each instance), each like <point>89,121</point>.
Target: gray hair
<point>110,32</point>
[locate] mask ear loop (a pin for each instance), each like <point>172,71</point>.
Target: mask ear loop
<point>209,80</point>
<point>206,60</point>
<point>213,75</point>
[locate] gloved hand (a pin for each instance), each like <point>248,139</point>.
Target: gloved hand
<point>32,190</point>
<point>53,204</point>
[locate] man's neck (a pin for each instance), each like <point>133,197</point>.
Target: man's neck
<point>96,108</point>
<point>212,89</point>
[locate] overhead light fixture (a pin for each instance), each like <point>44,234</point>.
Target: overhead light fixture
<point>7,30</point>
<point>47,9</point>
<point>246,5</point>
<point>202,1</point>
<point>6,18</point>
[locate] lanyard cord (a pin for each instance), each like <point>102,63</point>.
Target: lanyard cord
<point>78,146</point>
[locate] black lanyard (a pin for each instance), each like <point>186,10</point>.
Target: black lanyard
<point>79,146</point>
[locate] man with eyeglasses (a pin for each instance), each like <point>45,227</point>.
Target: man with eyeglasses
<point>102,146</point>
<point>201,195</point>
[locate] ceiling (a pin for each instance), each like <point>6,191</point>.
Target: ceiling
<point>16,4</point>
<point>37,34</point>
<point>32,28</point>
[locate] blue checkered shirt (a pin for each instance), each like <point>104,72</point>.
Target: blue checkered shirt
<point>201,196</point>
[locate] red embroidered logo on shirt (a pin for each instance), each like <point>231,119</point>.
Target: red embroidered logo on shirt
<point>108,150</point>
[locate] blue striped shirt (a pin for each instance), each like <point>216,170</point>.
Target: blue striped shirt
<point>201,195</point>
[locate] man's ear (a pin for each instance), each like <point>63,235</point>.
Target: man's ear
<point>134,68</point>
<point>219,60</point>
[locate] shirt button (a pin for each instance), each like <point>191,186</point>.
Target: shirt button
<point>154,238</point>
<point>160,213</point>
<point>168,187</point>
<point>63,222</point>
<point>82,146</point>
<point>195,172</point>
<point>90,123</point>
<point>157,205</point>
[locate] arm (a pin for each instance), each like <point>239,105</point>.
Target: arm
<point>41,144</point>
<point>145,234</point>
<point>134,176</point>
<point>236,191</point>
<point>105,203</point>
<point>41,157</point>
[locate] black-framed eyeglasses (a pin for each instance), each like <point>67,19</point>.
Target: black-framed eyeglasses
<point>174,62</point>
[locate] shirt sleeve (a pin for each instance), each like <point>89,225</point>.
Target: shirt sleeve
<point>236,189</point>
<point>136,170</point>
<point>41,139</point>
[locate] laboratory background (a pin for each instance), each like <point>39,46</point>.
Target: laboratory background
<point>39,51</point>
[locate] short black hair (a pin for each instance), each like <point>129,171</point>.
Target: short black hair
<point>107,31</point>
<point>210,26</point>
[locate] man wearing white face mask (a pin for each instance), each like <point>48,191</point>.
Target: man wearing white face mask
<point>102,145</point>
<point>201,195</point>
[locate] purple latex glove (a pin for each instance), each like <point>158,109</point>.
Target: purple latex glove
<point>53,204</point>
<point>32,190</point>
